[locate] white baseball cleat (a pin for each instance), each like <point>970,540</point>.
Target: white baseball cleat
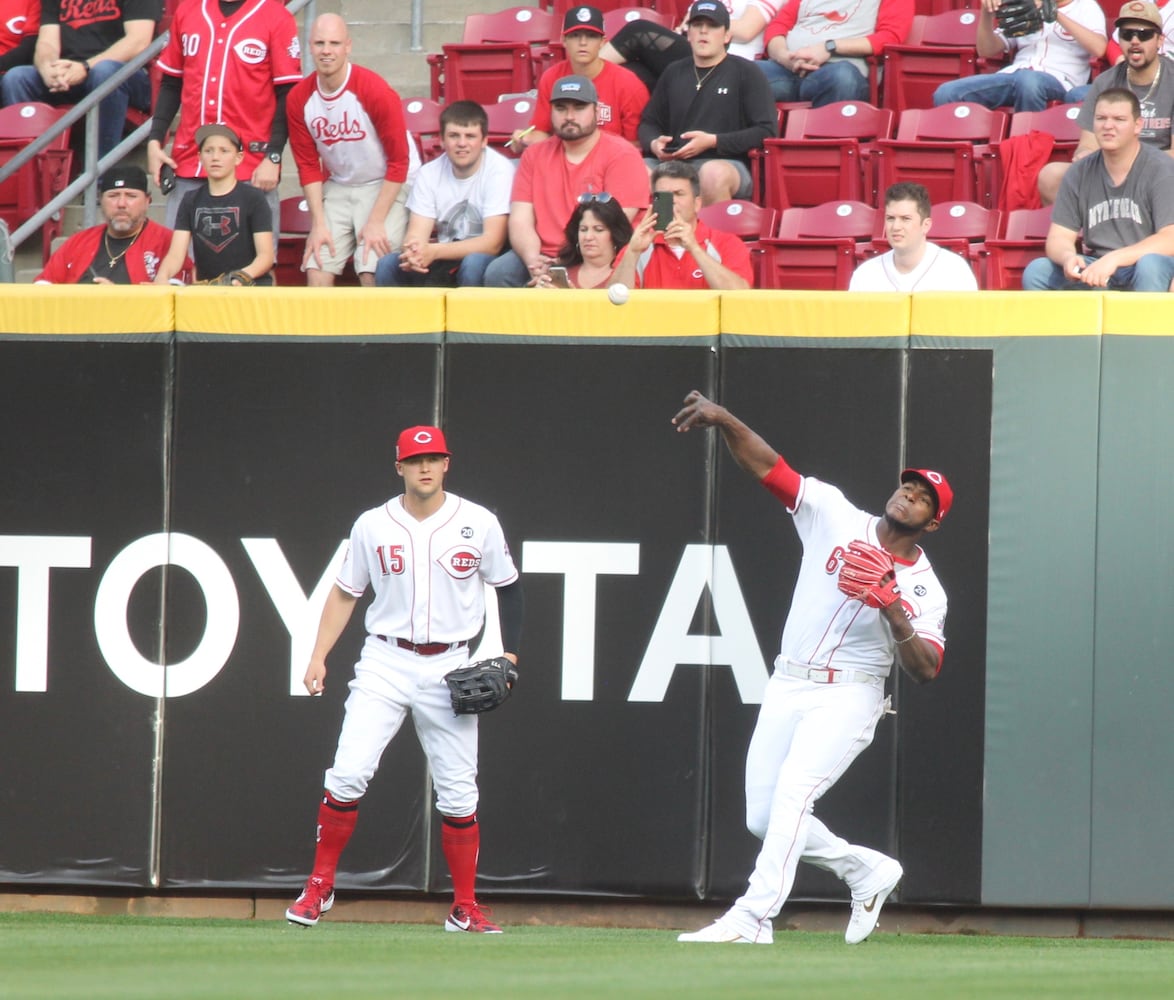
<point>719,933</point>
<point>866,912</point>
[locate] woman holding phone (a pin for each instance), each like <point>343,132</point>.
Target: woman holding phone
<point>595,233</point>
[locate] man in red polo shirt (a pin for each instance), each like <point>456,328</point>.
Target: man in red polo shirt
<point>688,254</point>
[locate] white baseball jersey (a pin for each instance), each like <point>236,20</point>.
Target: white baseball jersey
<point>230,68</point>
<point>1053,50</point>
<point>938,271</point>
<point>428,576</point>
<point>825,628</point>
<point>354,136</point>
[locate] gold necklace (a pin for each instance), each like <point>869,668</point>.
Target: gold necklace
<point>110,253</point>
<point>701,79</point>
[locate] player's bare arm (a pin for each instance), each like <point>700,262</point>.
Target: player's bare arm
<point>335,615</point>
<point>918,658</point>
<point>747,447</point>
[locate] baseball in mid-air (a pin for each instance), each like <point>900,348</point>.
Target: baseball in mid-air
<point>618,293</point>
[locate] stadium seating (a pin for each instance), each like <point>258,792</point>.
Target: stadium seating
<point>47,174</point>
<point>422,118</point>
<point>818,247</point>
<point>505,118</point>
<point>825,155</point>
<point>748,221</point>
<point>617,17</point>
<point>1058,120</point>
<point>940,47</point>
<point>1025,231</point>
<point>964,228</point>
<point>495,56</point>
<point>950,149</point>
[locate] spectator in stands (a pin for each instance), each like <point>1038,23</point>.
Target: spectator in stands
<point>226,224</point>
<point>463,199</point>
<point>1045,65</point>
<point>688,254</point>
<point>647,48</point>
<point>126,249</point>
<point>595,233</point>
<point>1115,54</point>
<point>347,133</point>
<point>19,21</point>
<point>579,158</point>
<point>713,108</point>
<point>1119,203</point>
<point>913,264</point>
<point>233,62</point>
<point>77,50</point>
<point>817,51</point>
<point>621,94</point>
<point>1145,71</point>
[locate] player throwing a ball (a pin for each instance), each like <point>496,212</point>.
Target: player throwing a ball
<point>427,555</point>
<point>866,596</point>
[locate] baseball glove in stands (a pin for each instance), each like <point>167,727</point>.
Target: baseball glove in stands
<point>481,686</point>
<point>1016,18</point>
<point>868,575</point>
<point>228,277</point>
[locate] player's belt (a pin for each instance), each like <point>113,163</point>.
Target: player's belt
<point>424,648</point>
<point>829,675</point>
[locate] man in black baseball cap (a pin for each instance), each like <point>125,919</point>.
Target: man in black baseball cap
<point>126,249</point>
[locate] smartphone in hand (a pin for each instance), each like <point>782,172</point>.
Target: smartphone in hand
<point>558,277</point>
<point>167,178</point>
<point>662,208</point>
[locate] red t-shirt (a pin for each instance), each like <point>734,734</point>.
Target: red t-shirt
<point>18,20</point>
<point>621,98</point>
<point>659,266</point>
<point>549,182</point>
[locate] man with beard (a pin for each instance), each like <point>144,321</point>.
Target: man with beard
<point>125,250</point>
<point>577,161</point>
<point>1144,71</point>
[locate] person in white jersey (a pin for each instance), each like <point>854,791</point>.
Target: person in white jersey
<point>427,555</point>
<point>914,264</point>
<point>826,694</point>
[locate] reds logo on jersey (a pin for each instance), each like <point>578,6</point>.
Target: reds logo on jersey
<point>460,563</point>
<point>347,129</point>
<point>78,13</point>
<point>15,25</point>
<point>251,50</point>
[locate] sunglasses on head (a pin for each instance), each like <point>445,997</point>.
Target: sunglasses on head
<point>1140,34</point>
<point>589,196</point>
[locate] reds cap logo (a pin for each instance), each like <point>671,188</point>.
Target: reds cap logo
<point>460,562</point>
<point>251,51</point>
<point>583,14</point>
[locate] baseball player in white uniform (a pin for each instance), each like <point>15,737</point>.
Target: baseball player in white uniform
<point>427,555</point>
<point>826,694</point>
<point>230,62</point>
<point>913,264</point>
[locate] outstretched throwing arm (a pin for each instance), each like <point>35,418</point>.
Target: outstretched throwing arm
<point>747,447</point>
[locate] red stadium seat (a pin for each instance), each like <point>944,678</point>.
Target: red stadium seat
<point>940,47</point>
<point>292,231</point>
<point>1058,120</point>
<point>818,247</point>
<point>748,221</point>
<point>825,155</point>
<point>422,118</point>
<point>1025,232</point>
<point>951,150</point>
<point>505,118</point>
<point>47,174</point>
<point>617,17</point>
<point>961,227</point>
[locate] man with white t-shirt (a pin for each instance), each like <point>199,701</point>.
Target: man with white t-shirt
<point>913,264</point>
<point>463,199</point>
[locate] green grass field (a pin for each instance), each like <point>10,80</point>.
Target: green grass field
<point>86,958</point>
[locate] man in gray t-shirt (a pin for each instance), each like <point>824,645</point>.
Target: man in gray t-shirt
<point>1120,202</point>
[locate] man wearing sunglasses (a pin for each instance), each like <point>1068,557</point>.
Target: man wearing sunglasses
<point>1045,64</point>
<point>1145,71</point>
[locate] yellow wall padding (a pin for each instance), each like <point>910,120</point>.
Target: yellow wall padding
<point>91,310</point>
<point>1138,314</point>
<point>542,312</point>
<point>946,315</point>
<point>309,312</point>
<point>815,314</point>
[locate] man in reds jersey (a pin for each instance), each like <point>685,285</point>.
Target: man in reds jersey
<point>19,21</point>
<point>230,62</point>
<point>427,555</point>
<point>688,254</point>
<point>622,95</point>
<point>80,45</point>
<point>347,133</point>
<point>827,691</point>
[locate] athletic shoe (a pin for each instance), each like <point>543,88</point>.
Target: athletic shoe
<point>866,912</point>
<point>719,933</point>
<point>468,917</point>
<point>315,900</point>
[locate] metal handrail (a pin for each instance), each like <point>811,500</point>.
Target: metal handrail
<point>94,167</point>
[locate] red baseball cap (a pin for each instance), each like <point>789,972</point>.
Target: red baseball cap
<point>422,440</point>
<point>936,482</point>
